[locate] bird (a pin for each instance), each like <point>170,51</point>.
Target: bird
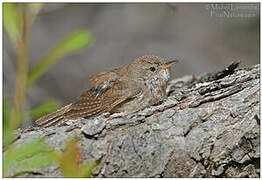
<point>127,89</point>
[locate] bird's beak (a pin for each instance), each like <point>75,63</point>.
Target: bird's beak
<point>168,64</point>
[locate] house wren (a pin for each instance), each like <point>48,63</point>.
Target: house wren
<point>127,89</point>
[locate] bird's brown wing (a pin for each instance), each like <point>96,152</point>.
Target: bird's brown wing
<point>102,77</point>
<point>53,117</point>
<point>105,80</point>
<point>88,105</point>
<point>89,102</point>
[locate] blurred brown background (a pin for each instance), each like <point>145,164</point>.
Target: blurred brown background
<point>199,35</point>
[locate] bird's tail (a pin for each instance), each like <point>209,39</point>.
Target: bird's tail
<point>53,118</point>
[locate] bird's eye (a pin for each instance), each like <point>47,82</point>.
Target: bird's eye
<point>152,69</point>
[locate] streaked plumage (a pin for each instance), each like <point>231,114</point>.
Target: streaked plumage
<point>130,88</point>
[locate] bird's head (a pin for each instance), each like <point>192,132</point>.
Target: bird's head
<point>150,68</point>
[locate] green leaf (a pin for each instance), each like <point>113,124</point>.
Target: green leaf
<point>8,136</point>
<point>6,111</point>
<point>37,161</point>
<point>7,132</point>
<point>87,169</point>
<point>25,151</point>
<point>76,41</point>
<point>32,164</point>
<point>71,161</point>
<point>26,157</point>
<point>44,109</point>
<point>11,20</point>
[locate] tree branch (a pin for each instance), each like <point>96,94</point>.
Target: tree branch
<point>207,127</point>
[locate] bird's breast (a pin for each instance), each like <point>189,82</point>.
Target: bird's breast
<point>157,87</point>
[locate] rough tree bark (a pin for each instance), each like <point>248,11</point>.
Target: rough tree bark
<point>207,127</point>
